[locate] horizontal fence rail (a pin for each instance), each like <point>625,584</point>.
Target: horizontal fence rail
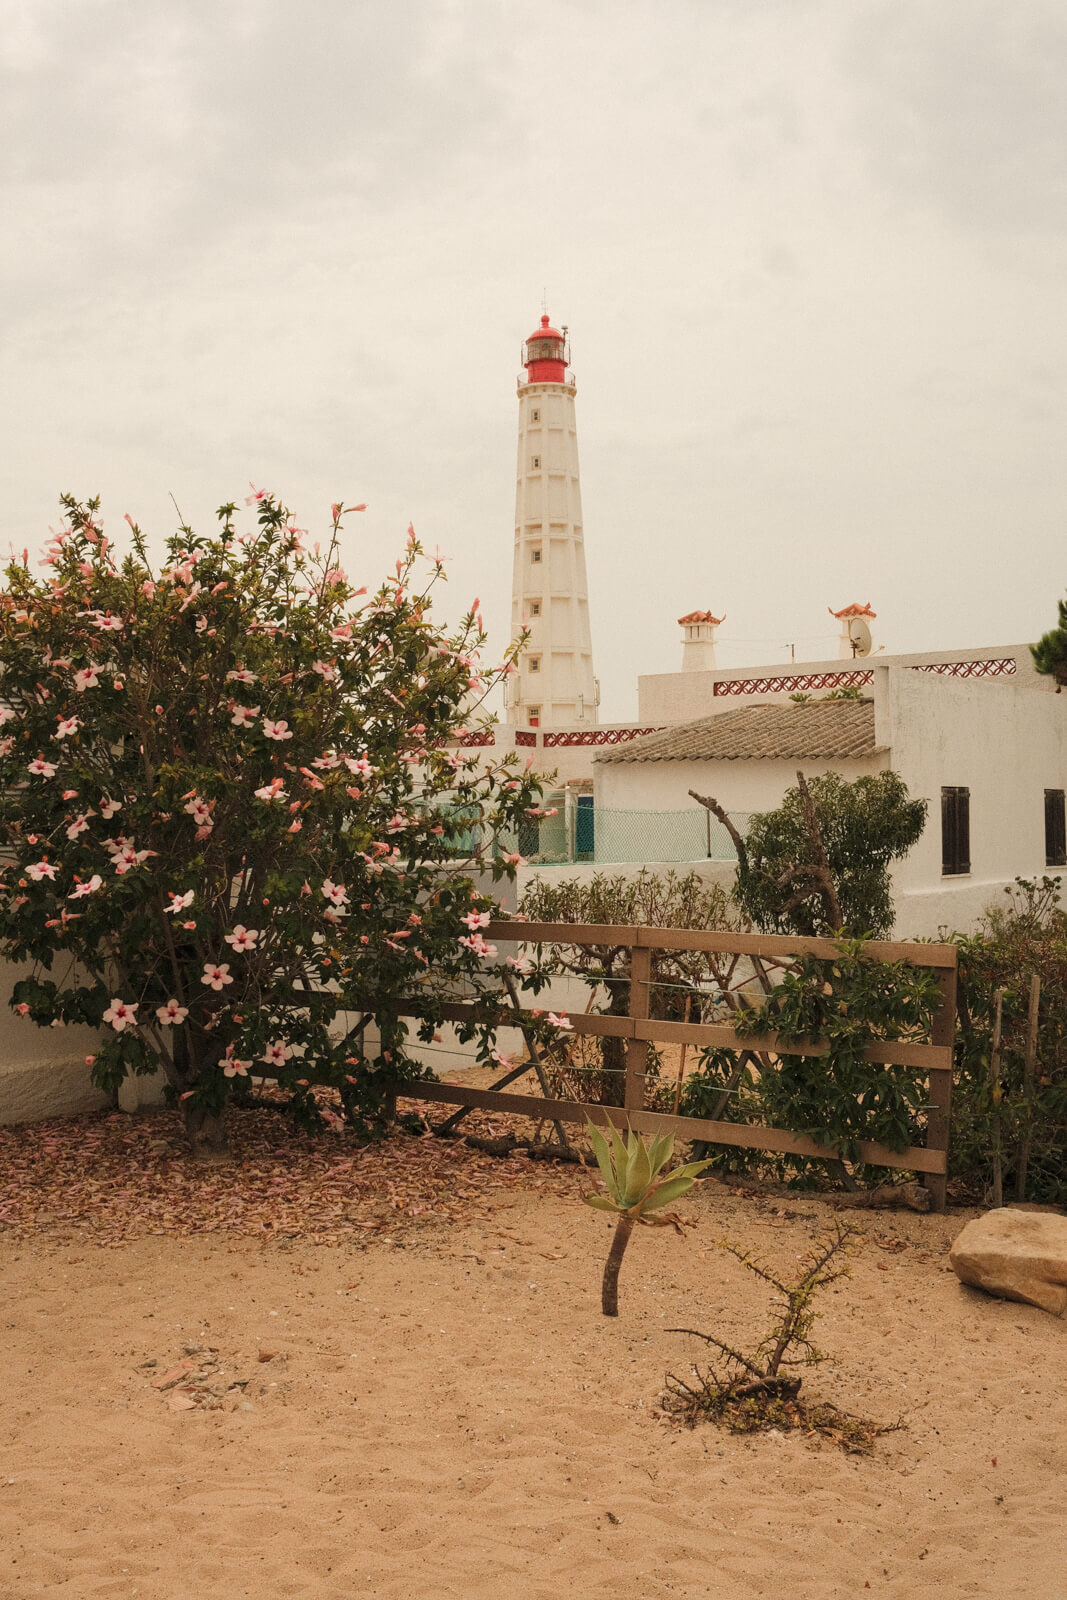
<point>638,1029</point>
<point>774,946</point>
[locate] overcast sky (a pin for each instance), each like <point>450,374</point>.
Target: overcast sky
<point>811,254</point>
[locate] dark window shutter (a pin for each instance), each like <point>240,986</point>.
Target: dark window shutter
<point>955,831</point>
<point>1055,829</point>
<point>948,831</point>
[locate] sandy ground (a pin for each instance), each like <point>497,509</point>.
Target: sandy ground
<point>446,1413</point>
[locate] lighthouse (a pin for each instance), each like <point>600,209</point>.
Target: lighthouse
<point>554,686</point>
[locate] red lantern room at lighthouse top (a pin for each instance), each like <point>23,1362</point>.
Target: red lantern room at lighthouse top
<point>546,355</point>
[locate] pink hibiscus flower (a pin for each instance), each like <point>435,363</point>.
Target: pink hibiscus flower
<point>120,1015</point>
<point>172,1014</point>
<point>79,825</point>
<point>95,882</point>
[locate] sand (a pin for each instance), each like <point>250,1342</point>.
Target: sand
<point>445,1412</point>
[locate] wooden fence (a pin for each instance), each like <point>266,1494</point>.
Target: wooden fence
<point>639,1029</point>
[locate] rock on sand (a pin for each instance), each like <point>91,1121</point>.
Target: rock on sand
<point>1019,1255</point>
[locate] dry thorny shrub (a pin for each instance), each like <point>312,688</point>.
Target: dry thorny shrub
<point>750,1393</point>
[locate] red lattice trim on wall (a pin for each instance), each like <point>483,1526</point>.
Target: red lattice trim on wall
<point>598,736</point>
<point>794,683</point>
<point>479,736</point>
<point>999,667</point>
<point>522,737</point>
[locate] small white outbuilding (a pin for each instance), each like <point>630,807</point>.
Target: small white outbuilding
<point>990,757</point>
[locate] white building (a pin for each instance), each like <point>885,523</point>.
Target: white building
<point>988,751</point>
<point>667,697</point>
<point>555,686</point>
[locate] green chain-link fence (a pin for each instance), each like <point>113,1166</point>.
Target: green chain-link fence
<point>581,832</point>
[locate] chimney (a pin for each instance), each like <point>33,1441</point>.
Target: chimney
<point>698,640</point>
<point>854,640</point>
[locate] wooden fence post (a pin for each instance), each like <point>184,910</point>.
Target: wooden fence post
<point>942,1032</point>
<point>994,1081</point>
<point>640,1006</point>
<point>1029,1073</point>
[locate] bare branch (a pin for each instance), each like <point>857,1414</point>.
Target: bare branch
<point>828,889</point>
<point>727,821</point>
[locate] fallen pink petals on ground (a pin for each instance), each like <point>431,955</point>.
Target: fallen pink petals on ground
<point>112,1178</point>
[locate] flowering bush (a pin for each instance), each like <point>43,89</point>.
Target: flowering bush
<point>225,792</point>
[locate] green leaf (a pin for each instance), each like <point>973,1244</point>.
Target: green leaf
<point>692,1169</point>
<point>619,1155</point>
<point>671,1188</point>
<point>659,1152</point>
<point>638,1171</point>
<point>602,1153</point>
<point>600,1202</point>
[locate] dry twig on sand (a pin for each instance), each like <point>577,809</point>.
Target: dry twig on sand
<point>749,1393</point>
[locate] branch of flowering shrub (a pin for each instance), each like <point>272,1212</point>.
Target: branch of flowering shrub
<point>222,787</point>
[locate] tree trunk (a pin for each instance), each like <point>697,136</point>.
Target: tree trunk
<point>613,1051</point>
<point>609,1299</point>
<point>206,1133</point>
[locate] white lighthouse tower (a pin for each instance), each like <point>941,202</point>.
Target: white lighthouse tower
<point>554,686</point>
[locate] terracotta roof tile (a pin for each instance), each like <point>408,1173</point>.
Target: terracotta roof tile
<point>854,610</point>
<point>824,730</point>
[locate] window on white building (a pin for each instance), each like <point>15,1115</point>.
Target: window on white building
<point>535,416</point>
<point>1055,828</point>
<point>533,716</point>
<point>955,832</point>
<point>535,554</point>
<point>535,608</point>
<point>535,462</point>
<point>534,663</point>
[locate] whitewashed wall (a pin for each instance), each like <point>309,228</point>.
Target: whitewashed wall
<point>670,697</point>
<point>1004,740</point>
<point>736,785</point>
<point>1004,743</point>
<point>43,1072</point>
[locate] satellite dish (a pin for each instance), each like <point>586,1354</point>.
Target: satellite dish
<point>860,636</point>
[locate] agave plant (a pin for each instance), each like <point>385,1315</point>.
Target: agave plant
<point>635,1189</point>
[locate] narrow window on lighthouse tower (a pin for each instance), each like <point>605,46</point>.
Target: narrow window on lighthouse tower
<point>535,416</point>
<point>535,461</point>
<point>534,716</point>
<point>535,663</point>
<point>535,553</point>
<point>535,608</point>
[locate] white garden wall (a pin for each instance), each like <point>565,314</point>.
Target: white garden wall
<point>43,1072</point>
